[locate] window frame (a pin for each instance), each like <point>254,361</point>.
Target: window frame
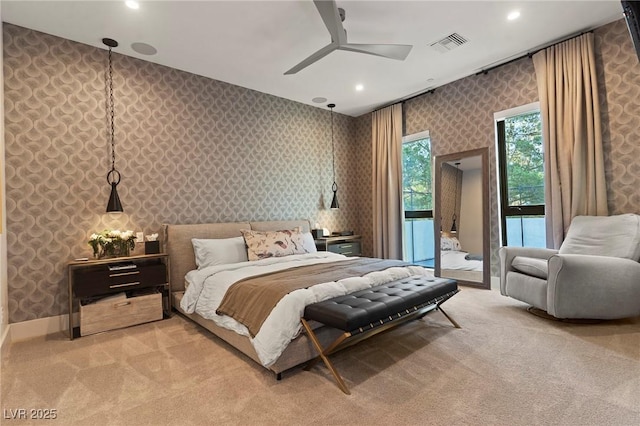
<point>415,214</point>
<point>507,210</point>
<point>418,214</point>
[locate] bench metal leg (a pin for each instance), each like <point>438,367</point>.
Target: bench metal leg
<point>323,355</point>
<point>455,324</point>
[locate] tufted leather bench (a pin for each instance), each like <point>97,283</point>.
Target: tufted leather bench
<point>368,312</point>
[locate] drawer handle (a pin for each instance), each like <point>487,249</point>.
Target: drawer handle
<point>117,305</point>
<point>124,285</point>
<point>122,274</point>
<point>347,252</point>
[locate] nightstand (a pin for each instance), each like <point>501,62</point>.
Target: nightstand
<point>118,292</point>
<point>349,245</point>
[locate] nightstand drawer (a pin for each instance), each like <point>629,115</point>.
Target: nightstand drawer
<point>351,248</point>
<point>101,280</point>
<point>119,312</point>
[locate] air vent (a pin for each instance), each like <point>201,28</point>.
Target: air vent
<point>449,43</point>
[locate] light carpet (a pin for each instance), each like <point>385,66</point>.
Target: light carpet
<point>505,366</point>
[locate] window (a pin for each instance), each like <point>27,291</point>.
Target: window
<point>418,199</point>
<point>521,167</point>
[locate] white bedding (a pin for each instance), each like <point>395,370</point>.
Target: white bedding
<point>454,259</point>
<point>206,288</point>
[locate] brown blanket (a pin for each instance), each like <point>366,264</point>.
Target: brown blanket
<point>251,300</point>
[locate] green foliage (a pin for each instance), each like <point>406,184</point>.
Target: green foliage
<point>525,159</point>
<point>416,175</point>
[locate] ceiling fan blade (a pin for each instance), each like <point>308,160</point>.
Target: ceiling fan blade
<point>313,58</point>
<point>391,51</point>
<point>331,17</point>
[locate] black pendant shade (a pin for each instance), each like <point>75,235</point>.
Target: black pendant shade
<point>334,187</point>
<point>334,201</point>
<point>113,177</point>
<point>114,204</point>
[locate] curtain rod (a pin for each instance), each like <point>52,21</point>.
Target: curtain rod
<point>530,54</point>
<point>486,70</point>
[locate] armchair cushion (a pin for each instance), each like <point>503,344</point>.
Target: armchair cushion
<point>613,236</point>
<point>535,267</point>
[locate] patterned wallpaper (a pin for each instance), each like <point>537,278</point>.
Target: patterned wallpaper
<point>459,117</point>
<point>619,82</point>
<point>190,149</point>
<point>193,149</point>
<point>451,196</point>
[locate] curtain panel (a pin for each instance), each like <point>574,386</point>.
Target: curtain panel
<point>574,162</point>
<point>387,182</point>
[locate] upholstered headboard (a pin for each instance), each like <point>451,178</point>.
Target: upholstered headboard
<point>177,241</point>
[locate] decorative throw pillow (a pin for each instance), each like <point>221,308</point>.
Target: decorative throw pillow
<point>450,243</point>
<point>264,244</point>
<point>209,252</point>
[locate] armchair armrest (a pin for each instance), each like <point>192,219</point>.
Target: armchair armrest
<point>508,253</point>
<point>599,287</point>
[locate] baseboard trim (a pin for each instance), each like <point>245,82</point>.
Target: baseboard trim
<point>495,283</point>
<point>5,340</point>
<point>38,328</point>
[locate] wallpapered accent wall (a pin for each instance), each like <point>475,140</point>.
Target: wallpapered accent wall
<point>193,149</point>
<point>451,196</point>
<point>459,117</point>
<point>619,86</point>
<point>190,149</point>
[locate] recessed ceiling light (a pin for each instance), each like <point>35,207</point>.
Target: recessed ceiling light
<point>132,4</point>
<point>359,87</point>
<point>319,100</point>
<point>144,48</point>
<point>513,15</point>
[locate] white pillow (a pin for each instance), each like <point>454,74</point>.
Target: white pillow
<point>308,243</point>
<point>212,252</point>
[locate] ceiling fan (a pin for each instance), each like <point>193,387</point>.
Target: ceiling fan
<point>332,18</point>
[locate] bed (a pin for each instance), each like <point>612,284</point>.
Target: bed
<point>184,269</point>
<point>454,257</point>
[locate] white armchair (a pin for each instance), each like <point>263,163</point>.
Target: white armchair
<point>595,274</point>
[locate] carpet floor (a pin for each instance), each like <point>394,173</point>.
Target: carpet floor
<point>505,366</point>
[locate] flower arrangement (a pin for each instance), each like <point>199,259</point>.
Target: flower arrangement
<point>112,243</point>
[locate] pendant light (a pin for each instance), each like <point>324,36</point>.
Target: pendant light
<point>454,229</point>
<point>113,177</point>
<point>334,187</point>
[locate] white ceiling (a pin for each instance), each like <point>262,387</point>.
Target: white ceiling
<point>252,44</point>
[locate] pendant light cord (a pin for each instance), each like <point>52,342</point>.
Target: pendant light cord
<point>112,115</point>
<point>334,187</point>
<point>113,176</point>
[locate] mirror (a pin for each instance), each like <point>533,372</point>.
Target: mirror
<point>462,217</point>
